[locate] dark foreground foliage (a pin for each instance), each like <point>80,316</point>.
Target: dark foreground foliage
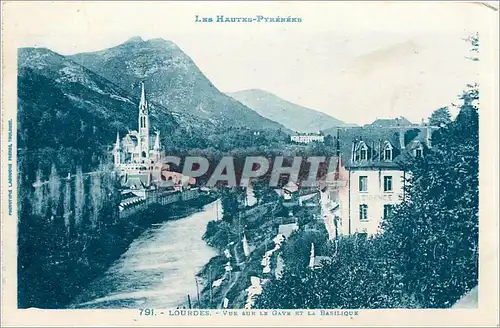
<point>427,255</point>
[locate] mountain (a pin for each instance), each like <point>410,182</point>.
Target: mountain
<point>292,116</point>
<point>172,80</point>
<point>70,115</point>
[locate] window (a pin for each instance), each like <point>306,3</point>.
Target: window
<point>387,151</point>
<point>363,154</point>
<point>388,154</point>
<point>363,212</point>
<point>363,183</point>
<point>418,152</point>
<point>387,210</point>
<point>388,183</point>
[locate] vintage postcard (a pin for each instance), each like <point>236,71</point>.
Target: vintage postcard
<point>249,163</point>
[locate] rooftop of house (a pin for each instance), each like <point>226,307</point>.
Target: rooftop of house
<point>291,187</point>
<point>374,140</point>
<point>135,181</point>
<point>287,229</point>
<point>390,122</point>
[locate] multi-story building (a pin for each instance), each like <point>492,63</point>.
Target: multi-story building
<point>307,138</point>
<point>369,179</point>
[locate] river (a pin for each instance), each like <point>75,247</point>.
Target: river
<point>158,270</point>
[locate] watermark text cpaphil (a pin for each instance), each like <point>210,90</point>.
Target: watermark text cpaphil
<point>249,19</point>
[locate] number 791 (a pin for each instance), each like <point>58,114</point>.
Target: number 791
<point>146,312</point>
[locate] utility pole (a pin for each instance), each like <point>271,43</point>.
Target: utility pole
<point>189,301</point>
<point>210,281</point>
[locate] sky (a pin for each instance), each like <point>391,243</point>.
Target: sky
<point>356,61</point>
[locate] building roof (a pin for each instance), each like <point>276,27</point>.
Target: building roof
<point>390,122</point>
<point>401,139</point>
<point>135,181</point>
<point>165,184</point>
<point>291,187</point>
<point>287,229</point>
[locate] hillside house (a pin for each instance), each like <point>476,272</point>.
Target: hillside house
<point>369,180</point>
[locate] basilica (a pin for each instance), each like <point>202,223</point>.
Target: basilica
<point>138,157</point>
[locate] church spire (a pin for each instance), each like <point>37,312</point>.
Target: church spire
<point>143,103</point>
<point>117,142</point>
<point>117,153</point>
<point>143,142</point>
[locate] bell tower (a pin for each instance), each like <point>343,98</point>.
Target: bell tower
<point>117,151</point>
<point>143,125</point>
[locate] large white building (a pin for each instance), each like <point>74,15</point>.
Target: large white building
<point>307,138</point>
<point>369,180</point>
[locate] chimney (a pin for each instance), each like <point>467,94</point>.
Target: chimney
<point>428,135</point>
<point>401,138</point>
<point>379,149</point>
<point>352,150</point>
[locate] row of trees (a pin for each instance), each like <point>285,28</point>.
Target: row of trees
<point>427,255</point>
<point>65,227</point>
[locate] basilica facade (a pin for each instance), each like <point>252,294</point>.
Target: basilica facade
<point>138,157</point>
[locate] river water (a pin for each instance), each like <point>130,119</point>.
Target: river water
<point>158,270</point>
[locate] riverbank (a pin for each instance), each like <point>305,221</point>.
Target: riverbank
<point>217,281</point>
<point>158,268</point>
<point>64,276</point>
<point>222,288</point>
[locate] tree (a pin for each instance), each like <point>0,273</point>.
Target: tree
<point>231,200</point>
<point>440,117</point>
<point>355,278</point>
<point>55,190</point>
<point>474,41</point>
<point>79,197</point>
<point>263,192</point>
<point>409,135</point>
<point>329,141</point>
<point>427,255</point>
<point>434,234</point>
<point>297,249</point>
